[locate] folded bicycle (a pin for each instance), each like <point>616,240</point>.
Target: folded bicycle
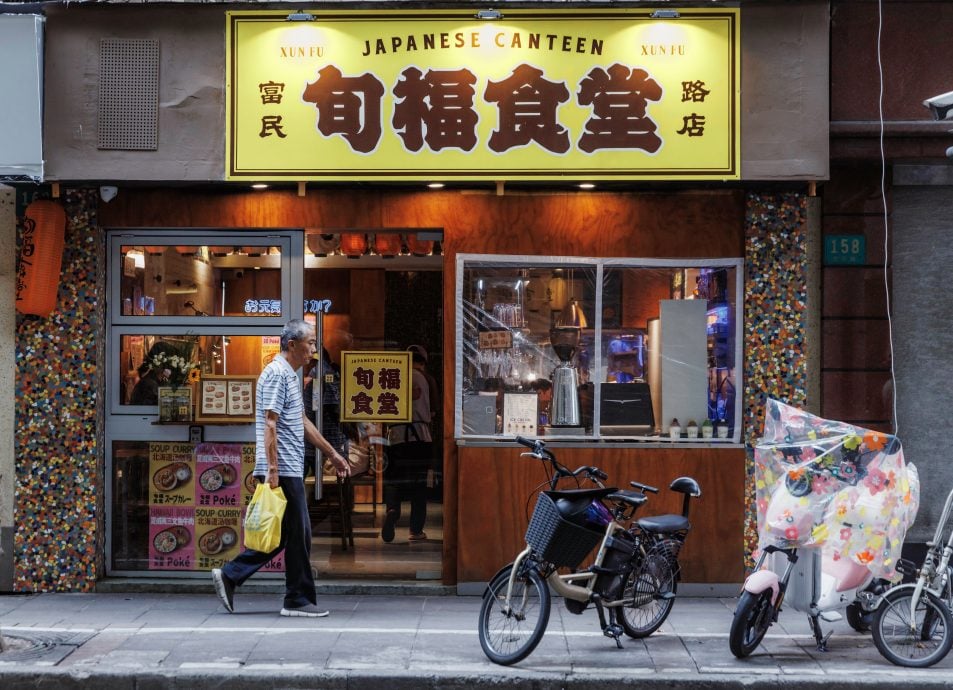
<point>913,625</point>
<point>632,581</point>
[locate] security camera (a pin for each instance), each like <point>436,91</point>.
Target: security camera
<point>941,106</point>
<point>107,193</point>
<point>949,152</point>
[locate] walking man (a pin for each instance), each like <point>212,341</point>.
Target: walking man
<point>281,428</point>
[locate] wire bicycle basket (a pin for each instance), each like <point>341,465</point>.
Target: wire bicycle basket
<point>555,539</point>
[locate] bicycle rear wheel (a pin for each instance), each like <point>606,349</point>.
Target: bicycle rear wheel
<point>649,594</point>
<point>509,633</point>
<point>916,642</point>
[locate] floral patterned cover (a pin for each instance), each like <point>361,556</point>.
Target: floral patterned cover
<point>832,485</point>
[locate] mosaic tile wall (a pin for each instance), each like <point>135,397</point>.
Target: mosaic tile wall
<point>774,327</point>
<point>58,491</point>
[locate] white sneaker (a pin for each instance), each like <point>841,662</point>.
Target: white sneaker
<point>308,611</point>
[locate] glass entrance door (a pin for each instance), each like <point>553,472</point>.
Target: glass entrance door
<point>192,319</point>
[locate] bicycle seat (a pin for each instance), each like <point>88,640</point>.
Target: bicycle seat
<point>632,498</point>
<point>664,524</point>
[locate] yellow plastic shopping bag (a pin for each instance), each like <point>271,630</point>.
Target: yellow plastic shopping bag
<point>263,519</point>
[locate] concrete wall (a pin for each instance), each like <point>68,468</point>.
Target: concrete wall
<point>784,98</point>
<point>922,227</point>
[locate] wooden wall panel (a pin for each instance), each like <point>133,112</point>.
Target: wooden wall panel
<point>494,484</point>
<point>854,291</point>
<point>860,397</point>
<point>855,343</point>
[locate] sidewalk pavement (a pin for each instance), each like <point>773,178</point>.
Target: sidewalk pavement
<point>158,641</point>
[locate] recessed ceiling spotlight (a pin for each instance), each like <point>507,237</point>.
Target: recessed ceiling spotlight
<point>259,185</point>
<point>586,185</point>
<point>436,185</point>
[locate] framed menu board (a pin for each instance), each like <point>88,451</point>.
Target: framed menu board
<point>226,399</point>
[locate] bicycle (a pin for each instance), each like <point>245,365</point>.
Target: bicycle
<point>913,625</point>
<point>634,574</point>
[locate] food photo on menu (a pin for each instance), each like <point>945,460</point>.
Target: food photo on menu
<point>213,397</point>
<point>240,398</point>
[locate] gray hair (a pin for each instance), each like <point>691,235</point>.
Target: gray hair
<point>296,329</point>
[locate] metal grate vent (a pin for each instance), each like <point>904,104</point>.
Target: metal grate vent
<point>128,94</point>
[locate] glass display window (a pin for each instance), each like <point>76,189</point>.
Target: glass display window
<point>200,280</point>
<point>642,350</point>
<point>143,361</point>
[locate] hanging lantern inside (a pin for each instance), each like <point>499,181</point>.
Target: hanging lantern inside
<point>323,244</point>
<point>419,247</point>
<point>387,244</point>
<point>353,244</point>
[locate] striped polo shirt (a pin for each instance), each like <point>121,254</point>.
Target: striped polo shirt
<point>279,390</point>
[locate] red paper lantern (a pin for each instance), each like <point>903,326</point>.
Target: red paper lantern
<point>353,244</point>
<point>387,244</point>
<point>41,258</point>
<point>419,247</point>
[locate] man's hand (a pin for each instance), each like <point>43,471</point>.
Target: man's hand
<point>272,477</point>
<point>341,467</point>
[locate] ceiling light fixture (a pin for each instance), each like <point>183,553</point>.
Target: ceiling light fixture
<point>586,185</point>
<point>489,14</point>
<point>300,17</point>
<point>259,185</point>
<point>435,185</point>
<point>665,14</point>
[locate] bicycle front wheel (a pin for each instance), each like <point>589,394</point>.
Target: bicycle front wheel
<point>510,631</point>
<point>649,594</point>
<point>751,621</point>
<point>916,641</point>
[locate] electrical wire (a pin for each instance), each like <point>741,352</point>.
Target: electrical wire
<point>883,198</point>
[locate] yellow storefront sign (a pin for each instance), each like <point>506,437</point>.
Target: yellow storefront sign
<point>421,95</point>
<point>376,387</point>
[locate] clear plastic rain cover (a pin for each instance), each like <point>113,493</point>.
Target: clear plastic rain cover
<point>834,486</point>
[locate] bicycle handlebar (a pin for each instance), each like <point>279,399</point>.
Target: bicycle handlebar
<point>539,450</point>
<point>644,487</point>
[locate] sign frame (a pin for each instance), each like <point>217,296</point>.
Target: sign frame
<point>292,140</point>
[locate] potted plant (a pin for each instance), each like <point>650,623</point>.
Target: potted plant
<point>178,372</point>
<point>707,429</point>
<point>692,429</point>
<point>722,428</point>
<point>675,429</point>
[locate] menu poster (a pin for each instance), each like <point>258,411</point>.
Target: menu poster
<point>213,397</point>
<point>216,536</point>
<point>519,414</point>
<point>172,468</point>
<point>248,473</point>
<point>276,564</point>
<point>219,467</point>
<point>241,401</point>
<point>171,537</point>
<point>270,346</point>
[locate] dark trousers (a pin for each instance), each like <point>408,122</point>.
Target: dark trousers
<point>405,479</point>
<point>413,490</point>
<point>295,540</point>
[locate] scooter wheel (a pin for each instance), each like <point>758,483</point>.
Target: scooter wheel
<point>751,621</point>
<point>859,619</point>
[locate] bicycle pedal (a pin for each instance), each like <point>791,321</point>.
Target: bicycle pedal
<point>613,630</point>
<point>665,596</point>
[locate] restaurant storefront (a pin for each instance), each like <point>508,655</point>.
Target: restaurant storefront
<point>635,326</point>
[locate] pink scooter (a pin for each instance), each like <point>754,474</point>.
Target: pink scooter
<point>811,582</point>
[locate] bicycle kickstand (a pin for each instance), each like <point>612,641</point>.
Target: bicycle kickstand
<point>819,636</point>
<point>611,629</point>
